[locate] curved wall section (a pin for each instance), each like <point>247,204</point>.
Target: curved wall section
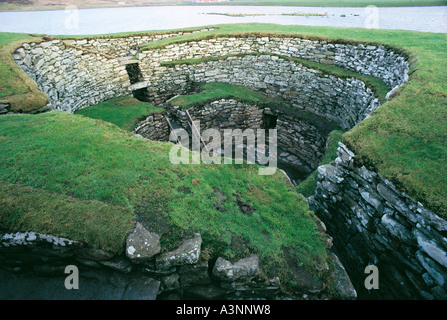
<point>378,61</point>
<point>75,74</point>
<point>343,101</point>
<point>72,78</point>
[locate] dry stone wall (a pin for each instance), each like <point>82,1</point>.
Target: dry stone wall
<point>120,47</point>
<point>343,101</point>
<point>146,271</point>
<point>223,114</point>
<point>300,137</point>
<point>378,61</point>
<point>72,78</point>
<point>154,127</point>
<point>372,222</point>
<point>78,73</point>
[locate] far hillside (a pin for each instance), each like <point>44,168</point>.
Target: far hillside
<point>62,4</point>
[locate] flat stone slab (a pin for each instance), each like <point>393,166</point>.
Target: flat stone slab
<point>187,253</point>
<point>244,269</point>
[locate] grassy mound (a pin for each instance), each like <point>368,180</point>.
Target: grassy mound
<point>91,160</point>
<point>125,112</point>
<point>99,224</point>
<point>16,88</point>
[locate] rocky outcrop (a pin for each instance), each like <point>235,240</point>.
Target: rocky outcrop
<point>372,222</point>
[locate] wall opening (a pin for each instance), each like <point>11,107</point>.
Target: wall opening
<point>270,121</point>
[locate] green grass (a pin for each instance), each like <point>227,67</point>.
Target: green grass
<point>96,223</point>
<point>16,88</point>
<point>125,112</point>
<point>91,160</point>
<point>307,187</point>
<point>213,91</point>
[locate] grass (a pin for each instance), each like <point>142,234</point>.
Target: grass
<point>99,224</point>
<point>308,186</point>
<point>213,91</point>
<point>91,160</point>
<point>125,112</point>
<point>16,88</point>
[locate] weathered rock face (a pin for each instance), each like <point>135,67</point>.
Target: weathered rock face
<point>372,222</point>
<point>187,253</point>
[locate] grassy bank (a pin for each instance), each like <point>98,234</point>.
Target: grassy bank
<point>124,112</point>
<point>16,88</point>
<point>83,159</point>
<point>99,224</point>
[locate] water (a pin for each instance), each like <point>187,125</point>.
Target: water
<point>112,20</point>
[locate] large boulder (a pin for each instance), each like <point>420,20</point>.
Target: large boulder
<point>142,245</point>
<point>187,253</point>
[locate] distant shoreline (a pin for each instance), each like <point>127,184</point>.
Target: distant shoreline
<point>298,3</point>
